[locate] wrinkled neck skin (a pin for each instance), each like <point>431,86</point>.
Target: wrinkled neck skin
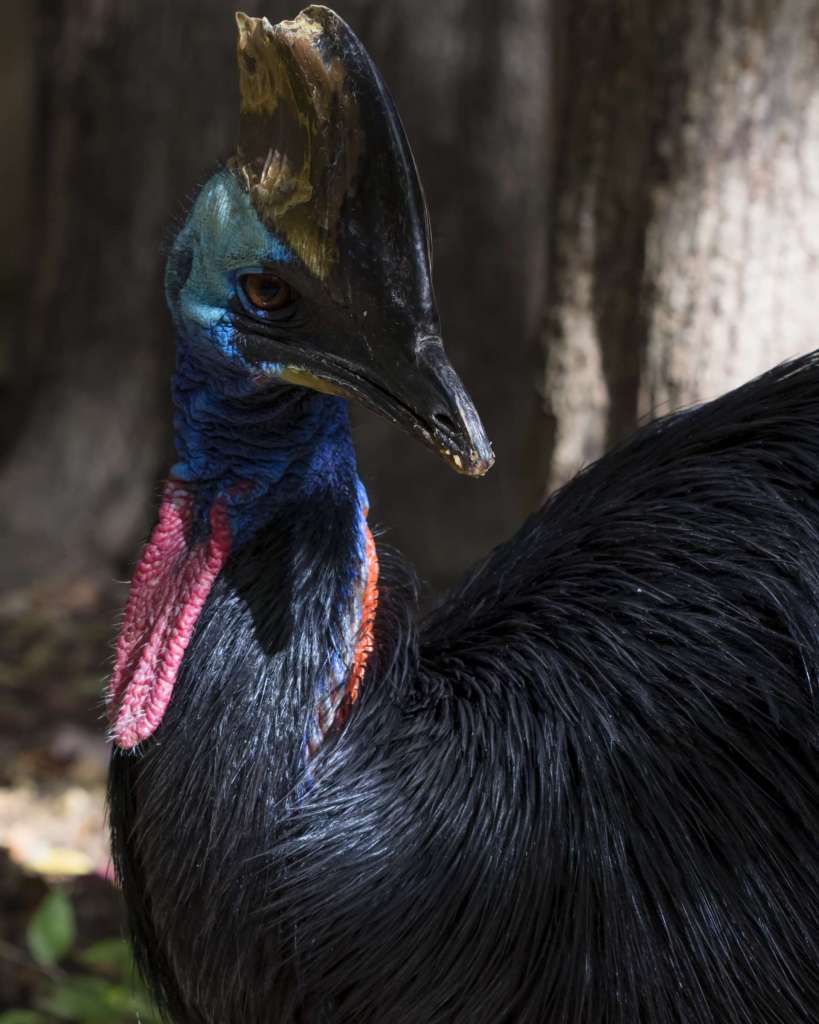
<point>256,444</point>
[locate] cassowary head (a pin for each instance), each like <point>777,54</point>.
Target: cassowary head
<point>306,260</point>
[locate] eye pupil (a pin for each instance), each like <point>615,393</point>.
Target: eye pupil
<point>266,291</point>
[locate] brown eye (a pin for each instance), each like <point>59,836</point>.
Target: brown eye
<point>266,291</point>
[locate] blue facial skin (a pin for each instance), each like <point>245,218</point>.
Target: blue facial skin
<point>243,434</point>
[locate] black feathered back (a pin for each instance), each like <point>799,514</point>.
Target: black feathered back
<point>586,792</point>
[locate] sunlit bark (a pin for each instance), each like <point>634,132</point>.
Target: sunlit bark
<point>688,209</point>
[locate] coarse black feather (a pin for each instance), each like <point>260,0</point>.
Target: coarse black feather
<point>584,791</point>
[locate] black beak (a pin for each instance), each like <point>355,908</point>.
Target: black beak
<point>423,394</point>
<point>440,411</point>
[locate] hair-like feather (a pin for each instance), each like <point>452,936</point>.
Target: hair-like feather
<point>584,791</point>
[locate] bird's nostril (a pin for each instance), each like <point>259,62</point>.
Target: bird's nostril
<point>445,422</point>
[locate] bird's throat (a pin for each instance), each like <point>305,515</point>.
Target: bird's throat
<point>299,477</point>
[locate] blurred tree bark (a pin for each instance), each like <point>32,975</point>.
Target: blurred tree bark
<point>112,148</point>
<point>138,103</point>
<point>16,121</point>
<point>685,244</point>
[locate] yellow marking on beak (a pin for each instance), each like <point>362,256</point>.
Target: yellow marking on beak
<point>305,379</point>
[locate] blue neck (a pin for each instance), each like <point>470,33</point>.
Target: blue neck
<point>257,444</point>
<point>272,451</point>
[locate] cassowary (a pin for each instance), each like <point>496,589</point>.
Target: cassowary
<point>585,789</point>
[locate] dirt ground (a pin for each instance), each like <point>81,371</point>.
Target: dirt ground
<point>55,648</point>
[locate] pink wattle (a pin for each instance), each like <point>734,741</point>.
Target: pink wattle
<point>169,589</point>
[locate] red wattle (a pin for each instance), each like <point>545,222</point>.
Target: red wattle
<point>169,589</point>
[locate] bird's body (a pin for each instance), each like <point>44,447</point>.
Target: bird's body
<point>584,790</point>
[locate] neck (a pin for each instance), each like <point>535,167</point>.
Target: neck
<point>262,545</point>
<point>258,445</point>
<point>281,457</point>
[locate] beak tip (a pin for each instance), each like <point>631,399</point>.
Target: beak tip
<point>482,467</point>
<point>478,461</point>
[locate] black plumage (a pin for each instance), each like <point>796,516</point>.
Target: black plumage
<point>584,790</point>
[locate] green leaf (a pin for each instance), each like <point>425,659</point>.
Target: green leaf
<point>145,1010</point>
<point>110,954</point>
<point>52,929</point>
<point>90,1000</point>
<point>22,1017</point>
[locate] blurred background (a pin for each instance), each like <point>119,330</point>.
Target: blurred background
<point>624,198</point>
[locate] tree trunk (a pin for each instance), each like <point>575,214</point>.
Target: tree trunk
<point>16,83</point>
<point>683,263</point>
<point>118,151</point>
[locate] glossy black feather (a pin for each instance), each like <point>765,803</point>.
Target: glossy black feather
<point>584,791</point>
